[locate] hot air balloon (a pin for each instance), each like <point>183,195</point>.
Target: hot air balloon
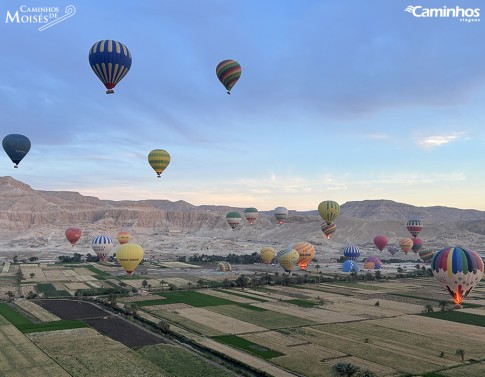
<point>267,254</point>
<point>351,252</point>
<point>280,213</point>
<point>228,72</point>
<point>350,265</point>
<point>458,271</point>
<point>123,237</point>
<point>129,255</point>
<point>223,267</point>
<point>306,252</point>
<point>73,234</point>
<point>329,210</point>
<point>287,258</point>
<point>16,146</point>
<point>251,214</point>
<point>328,230</point>
<point>380,242</point>
<point>377,264</point>
<point>426,254</point>
<point>233,219</point>
<point>102,246</point>
<point>110,61</point>
<point>414,227</point>
<point>405,244</point>
<point>417,244</point>
<point>158,159</point>
<point>393,249</point>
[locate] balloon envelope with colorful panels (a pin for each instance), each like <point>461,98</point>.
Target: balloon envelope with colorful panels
<point>328,229</point>
<point>349,266</point>
<point>251,214</point>
<point>393,249</point>
<point>329,210</point>
<point>102,246</point>
<point>233,219</point>
<point>223,267</point>
<point>159,159</point>
<point>267,254</point>
<point>288,258</point>
<point>280,214</point>
<point>417,244</point>
<point>426,254</point>
<point>73,234</point>
<point>458,271</point>
<point>123,237</point>
<point>16,147</point>
<point>376,262</point>
<point>110,60</point>
<point>129,255</point>
<point>351,252</point>
<point>405,244</point>
<point>306,252</point>
<point>380,242</point>
<point>228,72</point>
<point>414,227</point>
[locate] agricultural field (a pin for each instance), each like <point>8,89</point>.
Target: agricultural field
<point>282,330</point>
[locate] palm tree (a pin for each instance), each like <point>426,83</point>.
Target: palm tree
<point>162,283</point>
<point>345,369</point>
<point>443,304</point>
<point>317,267</point>
<point>144,283</point>
<point>428,308</point>
<point>31,275</point>
<point>10,295</point>
<point>460,352</point>
<point>366,373</point>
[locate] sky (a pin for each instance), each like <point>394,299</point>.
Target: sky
<point>342,100</point>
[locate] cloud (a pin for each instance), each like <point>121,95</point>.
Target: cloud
<point>435,141</point>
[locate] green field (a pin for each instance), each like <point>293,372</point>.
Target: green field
<point>50,291</point>
<point>303,303</point>
<point>100,274</point>
<point>191,298</point>
<point>26,326</point>
<point>250,297</point>
<point>458,316</point>
<point>246,345</point>
<point>180,362</point>
<point>268,318</point>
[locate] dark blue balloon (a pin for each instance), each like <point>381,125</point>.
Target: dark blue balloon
<point>111,61</point>
<point>16,146</point>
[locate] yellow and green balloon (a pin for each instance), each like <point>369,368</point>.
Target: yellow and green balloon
<point>159,159</point>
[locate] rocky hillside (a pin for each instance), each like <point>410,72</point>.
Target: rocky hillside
<point>35,217</point>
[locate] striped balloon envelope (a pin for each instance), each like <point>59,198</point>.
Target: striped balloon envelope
<point>251,214</point>
<point>406,244</point>
<point>280,214</point>
<point>414,227</point>
<point>228,72</point>
<point>123,237</point>
<point>233,219</point>
<point>287,258</point>
<point>328,230</point>
<point>159,159</point>
<point>306,252</point>
<point>458,270</point>
<point>329,210</point>
<point>224,266</point>
<point>426,254</point>
<point>102,246</point>
<point>110,60</point>
<point>351,252</point>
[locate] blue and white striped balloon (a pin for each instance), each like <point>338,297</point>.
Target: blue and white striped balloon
<point>102,246</point>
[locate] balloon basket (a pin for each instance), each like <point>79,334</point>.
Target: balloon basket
<point>458,306</point>
<point>110,91</point>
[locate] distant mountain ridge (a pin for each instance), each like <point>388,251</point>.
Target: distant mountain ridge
<point>37,218</point>
<point>20,197</point>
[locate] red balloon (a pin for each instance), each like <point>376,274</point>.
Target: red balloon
<point>380,242</point>
<point>73,235</point>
